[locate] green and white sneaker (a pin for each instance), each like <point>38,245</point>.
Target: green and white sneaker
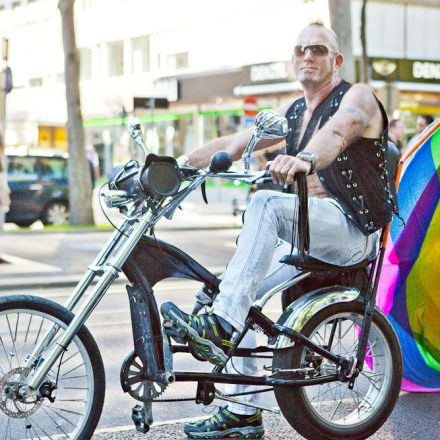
<point>205,336</point>
<point>225,424</point>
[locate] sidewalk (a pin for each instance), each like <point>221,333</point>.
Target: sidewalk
<point>19,273</point>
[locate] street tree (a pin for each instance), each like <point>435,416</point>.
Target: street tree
<point>340,20</point>
<point>363,70</point>
<point>80,186</point>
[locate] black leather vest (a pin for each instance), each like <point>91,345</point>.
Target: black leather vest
<point>359,178</point>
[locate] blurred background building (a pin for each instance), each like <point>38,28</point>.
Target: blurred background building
<point>204,57</point>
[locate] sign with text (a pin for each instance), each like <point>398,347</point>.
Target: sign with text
<point>394,69</point>
<point>150,103</point>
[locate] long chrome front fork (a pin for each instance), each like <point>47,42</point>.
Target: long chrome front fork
<point>108,273</point>
<point>80,289</point>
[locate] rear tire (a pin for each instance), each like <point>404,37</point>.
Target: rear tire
<point>55,213</point>
<point>24,223</point>
<point>79,375</point>
<point>325,411</point>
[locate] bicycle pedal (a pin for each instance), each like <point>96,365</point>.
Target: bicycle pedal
<point>139,419</point>
<point>172,329</point>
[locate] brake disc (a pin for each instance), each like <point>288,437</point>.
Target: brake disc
<point>11,403</point>
<point>132,371</point>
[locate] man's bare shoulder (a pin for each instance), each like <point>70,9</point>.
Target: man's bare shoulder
<point>359,103</point>
<point>362,96</point>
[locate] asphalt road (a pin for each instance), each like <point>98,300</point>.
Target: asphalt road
<point>72,252</point>
<point>416,416</point>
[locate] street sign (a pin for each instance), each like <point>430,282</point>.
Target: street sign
<point>150,103</point>
<point>8,80</point>
<point>250,107</point>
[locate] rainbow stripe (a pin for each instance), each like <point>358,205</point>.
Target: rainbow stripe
<point>409,290</point>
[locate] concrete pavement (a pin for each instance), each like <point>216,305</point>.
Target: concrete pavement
<point>17,273</point>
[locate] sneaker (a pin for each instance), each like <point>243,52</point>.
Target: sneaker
<point>225,424</point>
<point>205,336</point>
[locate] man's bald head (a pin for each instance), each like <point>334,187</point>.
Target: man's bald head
<point>316,32</point>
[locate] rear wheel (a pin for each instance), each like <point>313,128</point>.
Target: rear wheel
<point>333,410</point>
<point>24,223</point>
<point>55,213</point>
<point>74,388</point>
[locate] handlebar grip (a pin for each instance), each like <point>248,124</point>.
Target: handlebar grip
<point>303,214</point>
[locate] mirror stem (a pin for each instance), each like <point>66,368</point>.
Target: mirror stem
<point>248,151</point>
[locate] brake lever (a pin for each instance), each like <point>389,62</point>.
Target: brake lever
<point>261,177</point>
<point>203,189</point>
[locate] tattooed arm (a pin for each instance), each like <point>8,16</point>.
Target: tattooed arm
<point>358,116</point>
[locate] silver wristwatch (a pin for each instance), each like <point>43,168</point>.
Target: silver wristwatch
<point>309,157</point>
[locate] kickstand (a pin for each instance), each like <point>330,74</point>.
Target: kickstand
<point>142,417</point>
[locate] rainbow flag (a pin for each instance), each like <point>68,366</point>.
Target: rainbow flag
<point>409,289</point>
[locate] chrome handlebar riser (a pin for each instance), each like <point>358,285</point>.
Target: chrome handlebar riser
<point>135,130</point>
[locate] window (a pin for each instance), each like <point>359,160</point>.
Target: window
<point>36,82</point>
<point>177,60</point>
<point>22,169</point>
<point>52,168</point>
<point>140,54</point>
<point>85,63</point>
<point>115,59</point>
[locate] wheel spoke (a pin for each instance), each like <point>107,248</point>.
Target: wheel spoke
<point>60,415</point>
<point>22,329</point>
<point>73,369</point>
<point>57,425</point>
<point>335,403</point>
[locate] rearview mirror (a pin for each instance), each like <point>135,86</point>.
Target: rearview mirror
<point>270,125</point>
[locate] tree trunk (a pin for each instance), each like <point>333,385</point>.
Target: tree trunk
<point>340,19</point>
<point>363,70</point>
<point>80,185</point>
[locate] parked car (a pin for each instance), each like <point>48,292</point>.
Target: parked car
<point>39,187</point>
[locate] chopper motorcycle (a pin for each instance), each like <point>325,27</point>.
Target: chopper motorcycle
<point>336,362</point>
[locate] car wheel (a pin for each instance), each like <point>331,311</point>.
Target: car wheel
<point>24,223</point>
<point>55,213</point>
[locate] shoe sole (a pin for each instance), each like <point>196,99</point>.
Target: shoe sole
<point>248,432</point>
<point>184,333</point>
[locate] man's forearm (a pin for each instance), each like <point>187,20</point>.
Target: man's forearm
<point>327,145</point>
<point>201,157</point>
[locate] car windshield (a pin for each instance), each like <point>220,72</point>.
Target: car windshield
<point>52,168</point>
<point>22,169</point>
<point>31,168</point>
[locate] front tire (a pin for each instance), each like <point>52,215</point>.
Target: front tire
<point>55,213</point>
<point>332,410</point>
<point>78,375</point>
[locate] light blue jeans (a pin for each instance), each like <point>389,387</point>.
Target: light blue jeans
<point>255,267</point>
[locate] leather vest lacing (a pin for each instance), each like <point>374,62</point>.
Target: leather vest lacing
<point>358,178</point>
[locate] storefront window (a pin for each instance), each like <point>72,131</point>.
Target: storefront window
<point>140,54</point>
<point>115,58</point>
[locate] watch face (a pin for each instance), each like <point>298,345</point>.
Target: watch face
<point>306,155</point>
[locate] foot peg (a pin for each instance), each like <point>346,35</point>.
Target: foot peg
<point>142,417</point>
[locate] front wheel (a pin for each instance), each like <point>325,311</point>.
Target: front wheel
<point>333,410</point>
<point>72,395</point>
<point>55,213</point>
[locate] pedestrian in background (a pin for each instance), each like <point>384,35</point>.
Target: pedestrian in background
<point>4,189</point>
<point>396,132</point>
<point>422,122</point>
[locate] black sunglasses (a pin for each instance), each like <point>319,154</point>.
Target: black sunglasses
<point>315,49</point>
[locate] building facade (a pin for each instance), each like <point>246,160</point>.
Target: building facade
<point>204,57</point>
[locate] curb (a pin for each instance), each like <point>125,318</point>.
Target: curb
<point>51,281</point>
<point>110,229</point>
